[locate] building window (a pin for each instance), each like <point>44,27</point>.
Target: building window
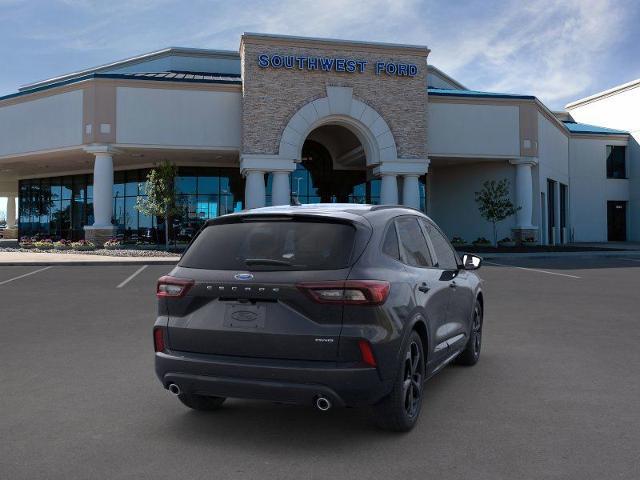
<point>60,207</point>
<point>616,161</point>
<point>304,188</point>
<point>308,189</point>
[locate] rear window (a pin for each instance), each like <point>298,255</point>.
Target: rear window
<point>271,245</point>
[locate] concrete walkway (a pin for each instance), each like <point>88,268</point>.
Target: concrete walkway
<point>616,245</point>
<point>593,253</point>
<point>32,258</point>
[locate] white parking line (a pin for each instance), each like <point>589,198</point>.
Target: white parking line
<point>25,275</point>
<point>533,270</point>
<point>131,277</point>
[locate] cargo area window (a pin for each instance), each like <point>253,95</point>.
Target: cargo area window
<point>272,245</point>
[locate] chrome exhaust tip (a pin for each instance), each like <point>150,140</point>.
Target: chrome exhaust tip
<point>323,403</point>
<point>175,389</point>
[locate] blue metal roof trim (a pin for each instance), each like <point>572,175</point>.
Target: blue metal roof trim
<point>585,128</point>
<point>227,79</point>
<point>474,93</point>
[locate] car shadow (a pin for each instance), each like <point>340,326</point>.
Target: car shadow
<point>265,426</point>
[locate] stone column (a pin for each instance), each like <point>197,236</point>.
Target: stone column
<point>253,166</point>
<point>280,189</point>
<point>524,198</point>
<point>254,193</point>
<point>389,189</point>
<point>409,170</point>
<point>102,229</point>
<point>411,191</point>
<point>11,212</point>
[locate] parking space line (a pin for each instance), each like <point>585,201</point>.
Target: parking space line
<point>25,275</point>
<point>132,276</point>
<point>532,269</point>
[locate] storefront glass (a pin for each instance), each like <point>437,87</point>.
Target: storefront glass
<point>307,189</point>
<point>60,207</point>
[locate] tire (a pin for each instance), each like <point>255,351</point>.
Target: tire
<point>200,402</point>
<point>471,353</point>
<point>399,411</point>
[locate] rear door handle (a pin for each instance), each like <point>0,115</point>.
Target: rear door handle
<point>424,287</point>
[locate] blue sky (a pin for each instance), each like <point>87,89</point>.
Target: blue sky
<point>557,50</point>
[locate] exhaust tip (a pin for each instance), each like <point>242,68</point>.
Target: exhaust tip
<point>175,389</point>
<point>323,403</point>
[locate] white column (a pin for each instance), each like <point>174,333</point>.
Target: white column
<point>411,191</point>
<point>11,212</point>
<point>388,189</point>
<point>524,193</point>
<point>254,190</point>
<point>280,190</point>
<point>103,189</point>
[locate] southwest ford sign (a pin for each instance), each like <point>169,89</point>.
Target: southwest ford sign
<point>333,64</point>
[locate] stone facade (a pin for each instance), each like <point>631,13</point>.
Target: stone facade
<point>272,96</point>
<point>98,236</point>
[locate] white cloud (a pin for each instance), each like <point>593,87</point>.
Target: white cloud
<point>544,47</point>
<point>547,48</point>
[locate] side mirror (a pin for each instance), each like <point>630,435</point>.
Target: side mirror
<point>471,262</point>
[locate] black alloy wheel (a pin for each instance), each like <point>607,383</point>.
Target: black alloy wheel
<point>471,353</point>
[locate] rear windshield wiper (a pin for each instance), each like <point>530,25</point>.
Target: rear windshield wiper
<point>267,261</point>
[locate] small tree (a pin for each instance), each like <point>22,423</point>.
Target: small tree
<point>160,191</point>
<point>494,203</point>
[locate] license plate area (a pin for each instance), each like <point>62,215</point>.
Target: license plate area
<point>244,315</point>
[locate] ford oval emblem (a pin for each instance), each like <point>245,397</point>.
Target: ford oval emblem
<point>243,276</point>
<point>244,316</point>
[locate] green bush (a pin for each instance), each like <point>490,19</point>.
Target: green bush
<point>83,245</point>
<point>62,245</point>
<point>43,244</point>
<point>481,241</point>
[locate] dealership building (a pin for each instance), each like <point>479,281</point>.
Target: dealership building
<point>319,120</point>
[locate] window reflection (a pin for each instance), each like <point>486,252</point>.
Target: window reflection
<point>60,207</point>
<point>303,187</point>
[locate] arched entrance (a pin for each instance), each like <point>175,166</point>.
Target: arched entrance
<point>334,149</point>
<point>333,168</point>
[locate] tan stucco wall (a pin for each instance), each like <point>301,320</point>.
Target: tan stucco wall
<point>271,96</point>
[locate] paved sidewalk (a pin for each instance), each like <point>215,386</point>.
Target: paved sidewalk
<point>32,258</point>
<point>616,245</point>
<point>593,253</point>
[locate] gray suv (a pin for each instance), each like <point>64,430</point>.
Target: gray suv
<point>324,305</point>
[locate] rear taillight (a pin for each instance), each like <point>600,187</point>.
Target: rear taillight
<point>173,287</point>
<point>158,339</point>
<point>350,292</point>
<point>367,353</point>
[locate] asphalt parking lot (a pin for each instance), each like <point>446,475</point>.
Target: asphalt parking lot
<point>555,394</point>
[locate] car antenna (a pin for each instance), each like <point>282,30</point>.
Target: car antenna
<point>294,201</point>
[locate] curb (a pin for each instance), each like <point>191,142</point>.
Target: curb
<point>555,255</point>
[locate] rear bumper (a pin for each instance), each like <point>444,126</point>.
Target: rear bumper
<point>287,381</point>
